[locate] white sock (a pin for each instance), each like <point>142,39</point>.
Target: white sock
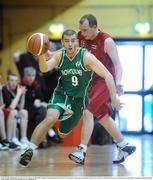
<point>122,143</point>
<point>84,147</point>
<point>32,146</point>
<point>51,132</point>
<point>24,139</point>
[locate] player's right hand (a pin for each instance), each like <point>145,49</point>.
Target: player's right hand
<point>117,104</point>
<point>49,55</point>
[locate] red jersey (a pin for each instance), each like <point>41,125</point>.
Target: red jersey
<point>96,47</point>
<point>98,93</point>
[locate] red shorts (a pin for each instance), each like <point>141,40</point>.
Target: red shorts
<point>6,112</point>
<point>99,97</point>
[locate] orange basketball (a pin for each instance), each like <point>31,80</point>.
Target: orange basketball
<point>38,44</point>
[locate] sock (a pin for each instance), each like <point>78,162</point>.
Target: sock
<point>84,147</point>
<point>51,133</point>
<point>32,146</point>
<point>24,139</point>
<point>122,144</point>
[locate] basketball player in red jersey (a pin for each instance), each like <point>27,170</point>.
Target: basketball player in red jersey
<point>103,47</point>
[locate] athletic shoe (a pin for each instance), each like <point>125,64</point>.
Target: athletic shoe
<point>123,153</point>
<point>26,157</point>
<point>11,145</point>
<point>78,156</point>
<point>22,145</point>
<point>25,141</point>
<point>16,141</point>
<point>56,139</point>
<point>3,147</point>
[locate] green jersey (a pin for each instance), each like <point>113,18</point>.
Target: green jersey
<point>75,79</point>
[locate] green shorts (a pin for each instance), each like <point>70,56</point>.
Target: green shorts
<point>70,108</point>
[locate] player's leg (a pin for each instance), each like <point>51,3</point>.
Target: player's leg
<point>96,99</point>
<point>40,131</point>
<point>39,134</point>
<point>87,128</point>
<point>124,148</point>
<point>79,155</point>
<point>10,115</point>
<point>2,131</point>
<point>2,125</point>
<point>11,123</point>
<point>111,127</point>
<point>53,113</point>
<point>23,114</point>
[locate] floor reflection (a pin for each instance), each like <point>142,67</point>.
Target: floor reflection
<point>54,161</point>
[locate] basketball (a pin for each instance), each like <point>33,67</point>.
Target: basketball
<point>38,44</point>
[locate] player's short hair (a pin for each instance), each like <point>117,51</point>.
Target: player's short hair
<point>29,70</point>
<point>11,74</point>
<point>90,18</point>
<point>68,32</point>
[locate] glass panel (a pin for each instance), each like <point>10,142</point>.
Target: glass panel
<point>131,59</point>
<point>148,113</point>
<point>148,66</point>
<point>130,117</point>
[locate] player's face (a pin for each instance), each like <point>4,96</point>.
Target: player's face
<point>70,43</point>
<point>30,77</point>
<point>12,82</point>
<point>87,32</point>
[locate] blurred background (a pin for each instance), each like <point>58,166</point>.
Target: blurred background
<point>129,22</point>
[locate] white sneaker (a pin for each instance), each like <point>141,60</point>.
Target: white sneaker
<point>24,146</point>
<point>16,141</point>
<point>3,147</point>
<point>78,156</point>
<point>25,141</point>
<point>123,153</point>
<point>21,145</point>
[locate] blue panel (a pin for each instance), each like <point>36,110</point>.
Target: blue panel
<point>148,113</point>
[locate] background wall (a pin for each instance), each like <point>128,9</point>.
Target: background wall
<point>22,18</point>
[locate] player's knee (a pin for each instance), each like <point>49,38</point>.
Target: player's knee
<point>51,116</point>
<point>23,113</point>
<point>13,113</point>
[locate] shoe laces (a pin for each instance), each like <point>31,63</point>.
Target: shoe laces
<point>121,153</point>
<point>80,149</point>
<point>127,144</point>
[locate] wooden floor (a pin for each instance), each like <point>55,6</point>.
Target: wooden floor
<point>54,161</point>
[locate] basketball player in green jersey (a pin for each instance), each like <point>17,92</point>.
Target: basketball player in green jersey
<point>69,99</point>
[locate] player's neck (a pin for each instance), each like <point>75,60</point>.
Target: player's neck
<point>71,55</point>
<point>95,34</point>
